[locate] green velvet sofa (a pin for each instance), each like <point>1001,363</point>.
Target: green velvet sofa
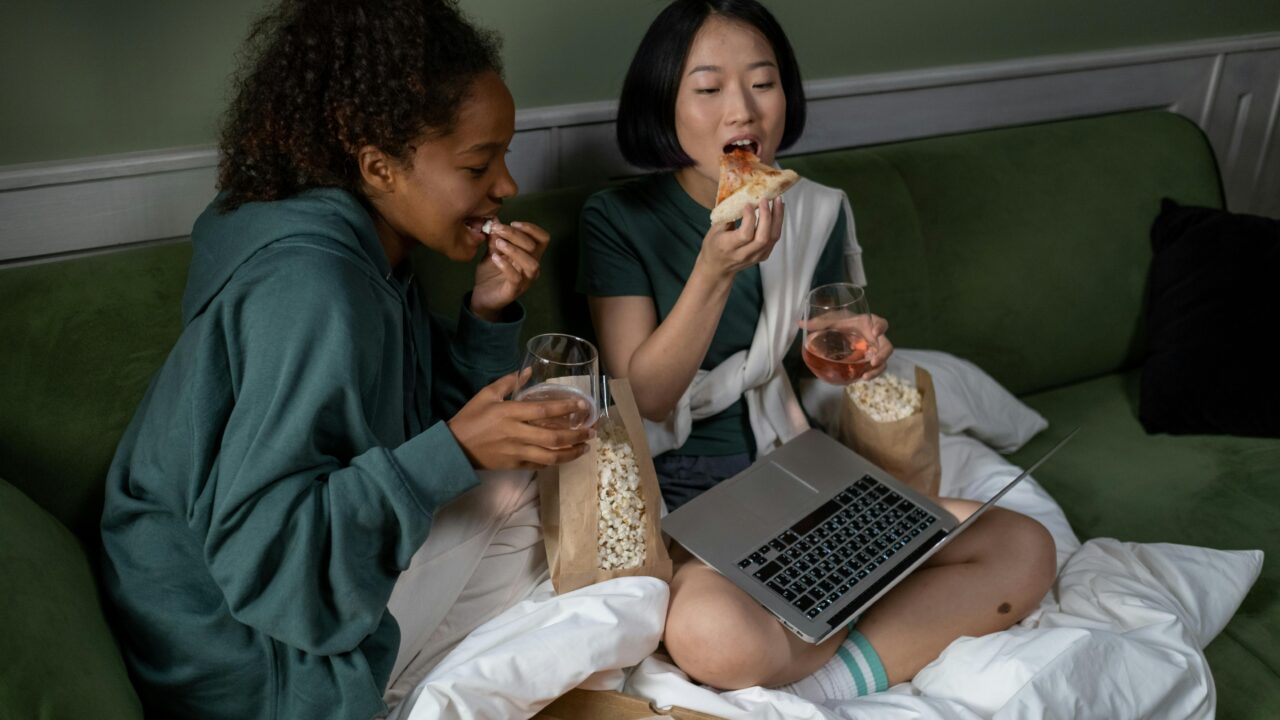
<point>1024,250</point>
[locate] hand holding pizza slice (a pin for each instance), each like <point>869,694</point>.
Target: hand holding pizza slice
<point>744,182</point>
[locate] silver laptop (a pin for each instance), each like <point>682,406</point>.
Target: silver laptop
<point>816,533</point>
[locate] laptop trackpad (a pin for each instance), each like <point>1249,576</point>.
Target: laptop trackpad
<point>770,486</point>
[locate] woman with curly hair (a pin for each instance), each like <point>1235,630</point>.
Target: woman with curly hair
<point>294,522</point>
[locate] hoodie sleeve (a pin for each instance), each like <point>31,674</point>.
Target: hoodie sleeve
<point>475,354</point>
<point>311,520</point>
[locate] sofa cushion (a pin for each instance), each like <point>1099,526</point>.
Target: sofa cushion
<point>1211,353</point>
<point>60,659</point>
<point>1246,687</point>
<point>1114,480</point>
<point>84,337</point>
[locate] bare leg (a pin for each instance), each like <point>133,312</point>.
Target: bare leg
<point>989,578</point>
<point>720,636</point>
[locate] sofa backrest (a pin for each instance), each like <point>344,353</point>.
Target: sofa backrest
<point>81,340</point>
<point>1024,250</point>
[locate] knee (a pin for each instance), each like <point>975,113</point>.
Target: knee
<point>1031,551</point>
<point>718,641</point>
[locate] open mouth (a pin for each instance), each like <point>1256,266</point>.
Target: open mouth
<point>750,145</point>
<point>480,225</point>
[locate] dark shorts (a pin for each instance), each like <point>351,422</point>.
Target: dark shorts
<point>684,477</point>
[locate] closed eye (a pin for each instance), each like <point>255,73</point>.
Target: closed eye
<point>707,91</point>
<point>765,85</point>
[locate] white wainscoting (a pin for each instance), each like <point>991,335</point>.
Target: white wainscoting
<point>1229,86</point>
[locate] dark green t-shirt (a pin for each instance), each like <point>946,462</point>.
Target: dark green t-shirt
<point>642,238</point>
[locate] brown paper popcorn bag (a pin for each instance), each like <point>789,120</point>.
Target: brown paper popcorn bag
<point>908,447</point>
<point>600,512</point>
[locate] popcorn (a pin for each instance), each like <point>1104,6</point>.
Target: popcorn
<point>600,512</point>
<point>488,226</point>
<point>621,528</point>
<point>886,399</point>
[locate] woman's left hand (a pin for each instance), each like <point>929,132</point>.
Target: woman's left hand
<point>874,329</point>
<point>870,327</point>
<point>509,267</point>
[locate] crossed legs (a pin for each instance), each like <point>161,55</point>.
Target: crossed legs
<point>989,578</point>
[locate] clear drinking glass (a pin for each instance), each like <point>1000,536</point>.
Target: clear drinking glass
<point>837,323</point>
<point>562,367</point>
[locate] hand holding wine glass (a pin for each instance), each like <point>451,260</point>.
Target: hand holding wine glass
<point>562,367</point>
<point>843,341</point>
<point>495,433</point>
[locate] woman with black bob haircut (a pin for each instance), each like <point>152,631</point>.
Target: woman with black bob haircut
<point>646,109</point>
<point>699,318</point>
<point>302,516</point>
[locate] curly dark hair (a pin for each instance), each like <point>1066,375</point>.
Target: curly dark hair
<point>320,79</point>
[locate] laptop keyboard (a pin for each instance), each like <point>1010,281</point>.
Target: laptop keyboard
<point>815,562</point>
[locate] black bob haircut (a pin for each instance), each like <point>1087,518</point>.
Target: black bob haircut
<point>647,107</point>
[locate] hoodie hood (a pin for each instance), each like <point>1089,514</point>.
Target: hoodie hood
<point>223,242</point>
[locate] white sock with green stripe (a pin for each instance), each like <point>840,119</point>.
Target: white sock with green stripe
<point>854,670</point>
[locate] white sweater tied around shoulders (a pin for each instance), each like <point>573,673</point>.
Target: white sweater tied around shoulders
<point>757,373</point>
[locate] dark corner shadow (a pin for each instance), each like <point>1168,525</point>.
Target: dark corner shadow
<point>1136,354</point>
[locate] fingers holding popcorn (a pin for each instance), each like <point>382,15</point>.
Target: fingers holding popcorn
<point>512,264</point>
<point>517,248</point>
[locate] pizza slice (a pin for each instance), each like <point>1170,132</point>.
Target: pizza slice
<point>744,182</point>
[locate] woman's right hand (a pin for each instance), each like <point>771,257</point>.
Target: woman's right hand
<point>727,251</point>
<point>497,434</point>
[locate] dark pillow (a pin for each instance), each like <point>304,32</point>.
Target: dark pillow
<point>1213,319</point>
<point>60,660</point>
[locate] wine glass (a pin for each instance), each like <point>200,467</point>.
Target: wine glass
<point>561,367</point>
<point>837,324</point>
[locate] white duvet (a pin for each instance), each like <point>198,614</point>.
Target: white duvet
<point>1120,636</point>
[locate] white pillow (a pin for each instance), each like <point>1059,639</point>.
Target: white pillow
<point>973,471</point>
<point>969,400</point>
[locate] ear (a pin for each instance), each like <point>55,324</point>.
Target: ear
<point>376,169</point>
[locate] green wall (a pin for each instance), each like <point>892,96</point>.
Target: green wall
<point>87,77</point>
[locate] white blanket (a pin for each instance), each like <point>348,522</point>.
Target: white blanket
<point>1120,636</point>
<point>517,663</point>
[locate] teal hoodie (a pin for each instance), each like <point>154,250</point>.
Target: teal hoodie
<point>284,465</point>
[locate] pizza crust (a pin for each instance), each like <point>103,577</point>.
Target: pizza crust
<point>736,205</point>
<point>744,182</point>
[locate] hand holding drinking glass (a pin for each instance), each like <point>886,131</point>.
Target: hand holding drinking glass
<point>561,367</point>
<point>843,341</point>
<point>498,434</point>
